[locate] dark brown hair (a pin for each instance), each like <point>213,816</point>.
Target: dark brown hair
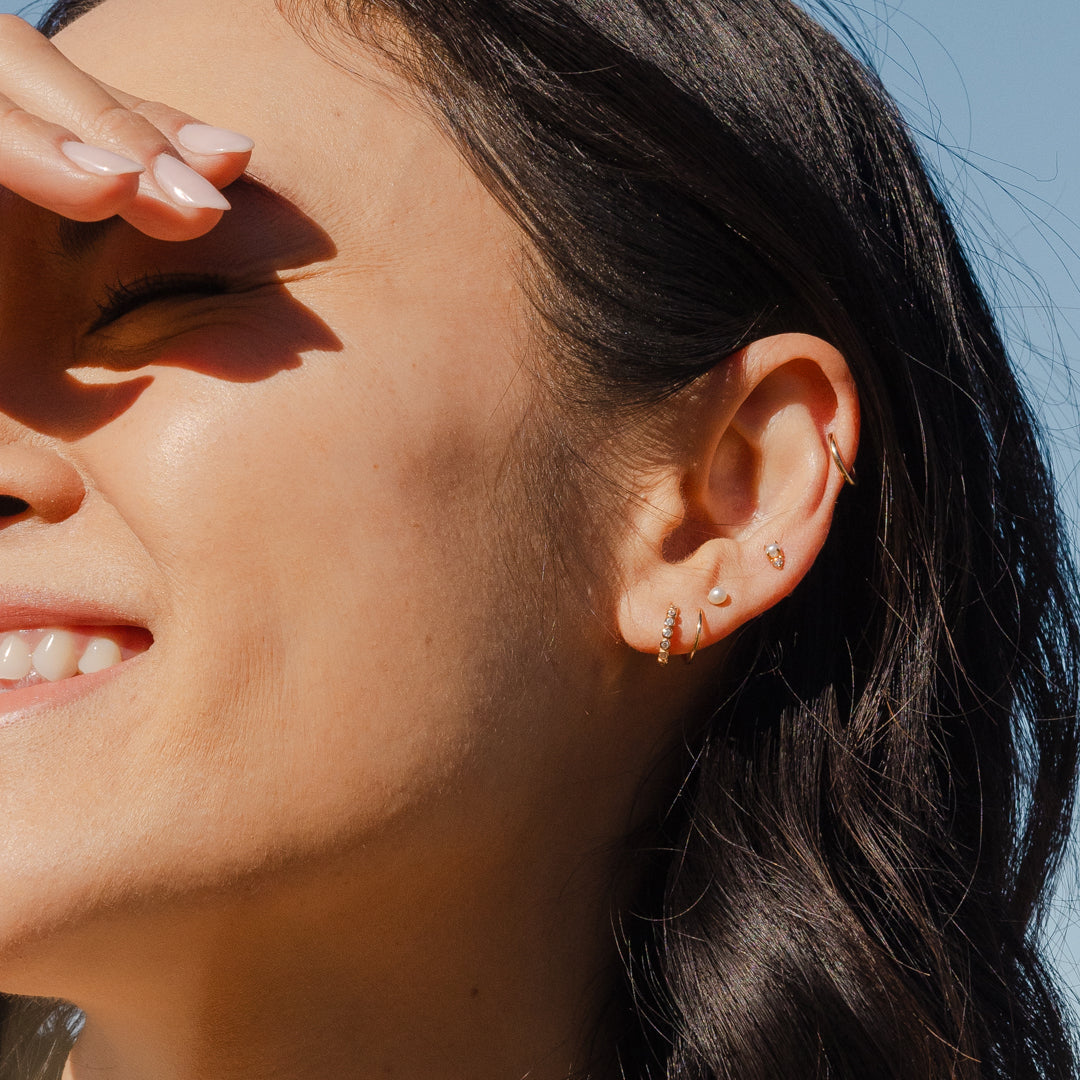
<point>850,878</point>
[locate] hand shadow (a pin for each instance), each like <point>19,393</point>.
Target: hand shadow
<point>263,236</point>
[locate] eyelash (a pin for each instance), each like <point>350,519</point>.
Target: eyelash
<point>125,296</point>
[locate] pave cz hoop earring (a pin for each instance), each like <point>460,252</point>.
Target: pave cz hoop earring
<point>667,632</point>
<point>845,472</point>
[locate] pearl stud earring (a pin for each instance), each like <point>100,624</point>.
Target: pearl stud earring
<point>718,596</point>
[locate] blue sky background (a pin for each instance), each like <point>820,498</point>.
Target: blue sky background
<point>992,87</point>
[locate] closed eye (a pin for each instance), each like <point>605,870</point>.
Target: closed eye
<point>126,296</point>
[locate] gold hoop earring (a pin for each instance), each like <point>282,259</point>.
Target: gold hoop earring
<point>697,638</point>
<point>845,472</point>
<point>667,632</point>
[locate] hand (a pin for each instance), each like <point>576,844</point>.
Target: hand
<point>87,151</point>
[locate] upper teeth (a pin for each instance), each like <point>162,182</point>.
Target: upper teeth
<point>55,655</point>
<point>100,653</point>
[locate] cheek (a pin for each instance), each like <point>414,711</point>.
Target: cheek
<point>327,536</point>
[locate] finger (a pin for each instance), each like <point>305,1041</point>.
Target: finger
<point>173,201</point>
<point>38,77</point>
<point>216,153</point>
<point>47,165</point>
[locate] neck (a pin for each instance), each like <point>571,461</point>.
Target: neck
<point>490,975</point>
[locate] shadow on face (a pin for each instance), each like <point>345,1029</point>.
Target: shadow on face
<point>87,307</point>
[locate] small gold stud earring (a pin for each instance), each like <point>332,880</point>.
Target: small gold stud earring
<point>775,554</point>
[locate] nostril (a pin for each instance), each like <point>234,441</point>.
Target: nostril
<point>10,506</point>
<point>36,482</point>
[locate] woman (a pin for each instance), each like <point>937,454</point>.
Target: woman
<point>345,529</point>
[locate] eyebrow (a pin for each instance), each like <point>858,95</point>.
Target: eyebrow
<point>78,240</point>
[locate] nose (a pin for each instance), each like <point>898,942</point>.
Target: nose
<point>35,481</point>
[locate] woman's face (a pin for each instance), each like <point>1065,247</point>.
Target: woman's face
<point>291,434</point>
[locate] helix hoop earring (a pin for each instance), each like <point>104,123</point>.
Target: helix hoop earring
<point>845,472</point>
<point>697,637</point>
<point>667,632</point>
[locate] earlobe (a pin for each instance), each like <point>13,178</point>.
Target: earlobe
<point>762,448</point>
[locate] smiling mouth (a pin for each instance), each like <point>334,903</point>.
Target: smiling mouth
<point>29,657</point>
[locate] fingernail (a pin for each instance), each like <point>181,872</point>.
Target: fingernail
<point>204,139</point>
<point>93,159</point>
<point>185,186</point>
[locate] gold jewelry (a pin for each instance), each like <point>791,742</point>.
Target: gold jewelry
<point>845,472</point>
<point>667,632</point>
<point>697,639</point>
<point>775,554</point>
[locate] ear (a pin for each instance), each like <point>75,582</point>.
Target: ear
<point>748,465</point>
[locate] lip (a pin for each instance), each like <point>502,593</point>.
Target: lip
<point>15,704</point>
<point>25,608</point>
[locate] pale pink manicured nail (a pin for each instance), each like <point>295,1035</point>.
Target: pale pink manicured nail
<point>204,139</point>
<point>185,186</point>
<point>93,159</point>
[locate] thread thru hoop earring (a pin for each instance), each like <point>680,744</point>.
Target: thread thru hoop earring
<point>845,472</point>
<point>697,638</point>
